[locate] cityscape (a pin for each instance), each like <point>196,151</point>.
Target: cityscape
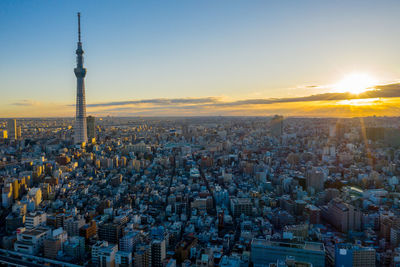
<point>226,189</point>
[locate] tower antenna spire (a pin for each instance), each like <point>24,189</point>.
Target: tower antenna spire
<point>79,26</point>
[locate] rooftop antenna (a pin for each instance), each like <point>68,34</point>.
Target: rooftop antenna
<point>79,26</point>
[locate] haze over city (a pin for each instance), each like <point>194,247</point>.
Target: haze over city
<point>175,58</point>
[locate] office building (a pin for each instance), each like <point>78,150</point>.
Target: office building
<point>313,214</point>
<point>123,259</point>
<point>72,225</point>
<point>110,232</point>
<point>354,256</point>
<point>7,195</point>
<point>345,217</point>
<point>315,179</point>
<point>91,127</point>
<point>265,252</point>
<point>19,132</point>
<point>395,236</point>
<point>276,126</point>
<point>241,206</point>
<point>158,252</point>
<point>30,241</point>
<point>16,189</point>
<point>14,221</point>
<point>128,241</point>
<point>142,256</point>
<point>51,247</point>
<point>107,255</point>
<point>34,219</point>
<point>54,244</point>
<point>12,129</point>
<point>95,251</point>
<point>88,230</point>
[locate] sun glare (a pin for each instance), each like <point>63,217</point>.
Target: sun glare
<point>361,102</point>
<point>355,83</point>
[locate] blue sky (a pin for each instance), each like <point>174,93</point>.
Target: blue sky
<point>191,49</point>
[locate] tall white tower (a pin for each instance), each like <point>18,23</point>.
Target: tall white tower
<point>80,73</point>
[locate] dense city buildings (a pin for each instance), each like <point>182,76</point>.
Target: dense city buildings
<point>202,192</point>
<point>199,191</point>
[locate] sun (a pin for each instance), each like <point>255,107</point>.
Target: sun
<point>355,83</point>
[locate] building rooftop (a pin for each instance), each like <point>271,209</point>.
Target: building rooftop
<point>314,246</point>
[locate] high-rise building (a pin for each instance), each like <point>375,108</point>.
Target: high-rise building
<point>276,125</point>
<point>88,230</point>
<point>313,214</point>
<point>128,241</point>
<point>73,225</point>
<point>12,129</point>
<point>341,129</point>
<point>54,244</point>
<point>158,252</point>
<point>80,73</point>
<point>19,132</point>
<point>4,134</point>
<point>355,256</point>
<point>16,189</point>
<point>345,217</point>
<point>107,255</point>
<point>110,232</point>
<point>7,195</point>
<point>91,127</point>
<point>315,179</point>
<point>51,247</point>
<point>142,256</point>
<point>95,251</point>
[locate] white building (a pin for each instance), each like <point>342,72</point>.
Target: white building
<point>31,241</point>
<point>34,219</point>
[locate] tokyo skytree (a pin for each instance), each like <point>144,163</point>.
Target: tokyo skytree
<point>80,73</point>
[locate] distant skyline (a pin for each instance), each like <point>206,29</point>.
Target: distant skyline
<point>188,58</point>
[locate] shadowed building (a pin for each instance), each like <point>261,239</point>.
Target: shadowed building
<point>91,127</point>
<point>276,125</point>
<point>12,129</point>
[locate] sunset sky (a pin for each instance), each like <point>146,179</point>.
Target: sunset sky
<point>185,58</point>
